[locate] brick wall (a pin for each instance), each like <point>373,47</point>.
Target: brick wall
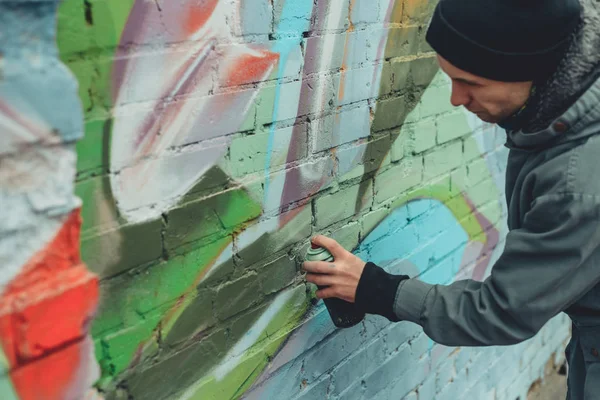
<point>219,136</point>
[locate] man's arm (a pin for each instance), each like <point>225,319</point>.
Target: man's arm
<point>546,266</point>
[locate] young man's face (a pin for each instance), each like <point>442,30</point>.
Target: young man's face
<point>491,101</point>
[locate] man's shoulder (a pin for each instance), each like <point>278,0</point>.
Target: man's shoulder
<point>570,168</point>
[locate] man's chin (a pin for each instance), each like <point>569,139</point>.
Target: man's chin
<point>485,117</point>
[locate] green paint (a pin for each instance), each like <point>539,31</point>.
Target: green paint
<point>338,206</point>
<point>7,392</point>
<point>424,134</point>
<point>255,359</point>
<point>237,296</point>
<point>90,149</point>
<point>277,274</point>
<point>422,70</point>
<point>402,41</point>
<point>127,247</point>
<point>400,70</point>
<point>347,235</point>
<point>134,305</point>
<point>451,127</point>
<point>399,179</point>
<point>99,211</point>
<point>216,216</point>
<point>443,160</point>
<point>390,114</point>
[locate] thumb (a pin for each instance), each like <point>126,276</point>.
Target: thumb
<point>331,245</point>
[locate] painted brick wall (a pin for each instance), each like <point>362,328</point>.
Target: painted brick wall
<point>218,136</point>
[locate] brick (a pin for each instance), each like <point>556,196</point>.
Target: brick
<point>237,296</point>
<point>483,193</point>
<point>319,95</point>
<point>422,70</point>
<point>400,71</point>
<point>404,143</point>
<point>371,220</point>
<point>118,250</point>
<point>316,391</point>
<point>398,335</point>
<point>426,390</point>
<point>397,180</point>
<point>459,180</point>
<point>266,109</point>
<point>242,324</point>
<point>295,231</point>
<point>196,317</point>
<point>131,299</point>
<point>425,133</point>
<point>402,41</point>
<point>420,345</point>
<point>365,13</point>
<point>410,380</point>
<point>93,147</point>
<point>358,365</point>
<point>261,22</point>
<point>380,378</point>
<point>444,374</point>
<point>443,160</point>
<point>471,149</point>
<point>451,127</point>
<point>96,191</point>
<point>343,127</point>
<point>250,153</point>
<point>390,113</point>
<point>347,235</point>
<point>332,208</point>
<point>215,216</point>
<point>436,100</point>
<point>277,274</point>
<point>294,21</point>
<point>158,381</point>
<point>355,85</point>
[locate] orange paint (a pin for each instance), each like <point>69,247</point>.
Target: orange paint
<point>45,312</point>
<point>49,377</point>
<point>197,15</point>
<point>250,68</point>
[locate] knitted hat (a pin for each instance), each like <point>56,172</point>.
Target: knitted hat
<point>504,40</point>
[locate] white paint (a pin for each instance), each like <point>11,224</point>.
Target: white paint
<point>236,355</point>
<point>148,178</point>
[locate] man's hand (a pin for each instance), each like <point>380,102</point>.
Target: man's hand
<point>340,276</point>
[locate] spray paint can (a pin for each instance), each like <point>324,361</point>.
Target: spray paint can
<point>342,313</point>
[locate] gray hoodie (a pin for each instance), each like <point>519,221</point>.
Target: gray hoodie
<point>551,261</point>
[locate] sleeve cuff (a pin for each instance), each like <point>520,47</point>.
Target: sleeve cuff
<point>410,300</point>
<point>377,290</point>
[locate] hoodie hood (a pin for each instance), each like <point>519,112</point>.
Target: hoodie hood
<point>569,94</point>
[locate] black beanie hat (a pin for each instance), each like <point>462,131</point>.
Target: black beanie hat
<point>504,40</point>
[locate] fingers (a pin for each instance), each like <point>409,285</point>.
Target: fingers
<point>326,293</point>
<point>320,279</point>
<point>331,245</point>
<point>319,267</point>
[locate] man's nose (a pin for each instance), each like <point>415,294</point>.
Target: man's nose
<point>459,96</point>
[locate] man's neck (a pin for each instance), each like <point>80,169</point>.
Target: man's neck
<point>519,117</point>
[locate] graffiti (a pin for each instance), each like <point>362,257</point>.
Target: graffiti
<point>219,136</point>
<point>47,296</point>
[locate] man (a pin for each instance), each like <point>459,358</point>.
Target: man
<point>533,67</point>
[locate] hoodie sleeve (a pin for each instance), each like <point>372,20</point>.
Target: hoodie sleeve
<point>547,265</point>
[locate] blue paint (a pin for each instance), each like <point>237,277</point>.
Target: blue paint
<point>423,232</point>
<point>294,19</point>
<point>33,82</point>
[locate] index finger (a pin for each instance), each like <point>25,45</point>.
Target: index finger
<point>319,267</point>
<point>330,244</point>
